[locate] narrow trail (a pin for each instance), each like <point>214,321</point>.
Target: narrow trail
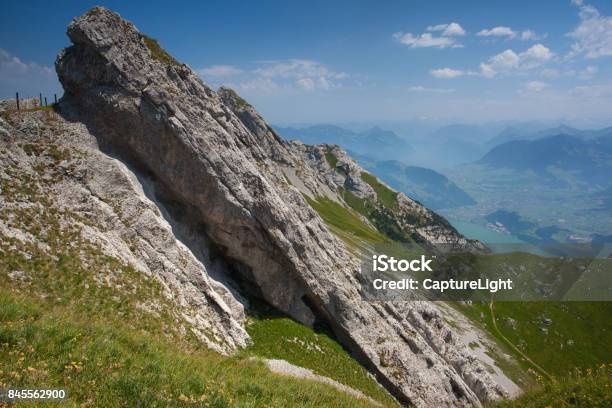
<point>516,349</point>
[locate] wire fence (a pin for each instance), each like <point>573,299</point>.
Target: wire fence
<point>29,102</point>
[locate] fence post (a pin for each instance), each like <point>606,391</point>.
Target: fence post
<point>40,99</point>
<point>55,98</point>
<point>17,99</point>
<point>45,101</point>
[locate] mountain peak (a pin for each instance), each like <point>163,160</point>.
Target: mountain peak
<point>254,196</point>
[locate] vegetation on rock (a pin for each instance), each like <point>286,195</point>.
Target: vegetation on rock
<point>157,52</point>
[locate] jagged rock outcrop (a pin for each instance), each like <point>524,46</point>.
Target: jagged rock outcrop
<point>217,159</point>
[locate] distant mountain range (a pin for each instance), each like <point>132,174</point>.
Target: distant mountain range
<point>375,142</point>
<point>462,143</point>
<point>439,149</point>
<point>427,186</point>
<point>512,133</point>
<point>589,160</point>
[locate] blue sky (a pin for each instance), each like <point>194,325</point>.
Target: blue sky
<point>337,61</point>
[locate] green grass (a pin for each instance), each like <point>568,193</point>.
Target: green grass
<point>591,387</point>
<point>332,160</point>
<point>381,217</point>
<point>578,337</point>
<point>63,327</point>
<point>385,195</point>
<point>551,341</point>
<point>345,222</point>
<point>361,205</point>
<point>7,114</point>
<point>580,374</point>
<point>240,102</point>
<point>157,52</point>
<point>277,336</point>
<point>557,336</point>
<point>109,364</point>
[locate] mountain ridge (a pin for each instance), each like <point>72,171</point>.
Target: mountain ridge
<point>429,187</point>
<point>510,134</point>
<point>591,158</point>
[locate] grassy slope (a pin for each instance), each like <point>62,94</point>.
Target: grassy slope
<point>577,336</point>
<point>382,212</point>
<point>577,370</point>
<point>157,52</point>
<point>277,336</point>
<point>385,195</point>
<point>567,343</point>
<point>345,223</point>
<point>107,363</point>
<point>63,328</point>
<point>361,205</point>
<point>332,160</point>
<point>583,388</point>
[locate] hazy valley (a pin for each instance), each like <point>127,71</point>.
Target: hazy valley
<point>555,179</point>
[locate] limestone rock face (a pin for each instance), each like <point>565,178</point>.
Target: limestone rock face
<point>113,207</point>
<point>227,170</point>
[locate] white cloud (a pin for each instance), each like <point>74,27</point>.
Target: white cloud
<point>505,60</point>
<point>220,71</point>
<point>587,73</point>
<point>426,40</point>
<point>487,70</point>
<point>535,56</point>
<point>509,62</point>
<point>447,73</point>
<point>593,36</point>
<point>297,68</point>
<point>275,76</point>
<point>306,83</point>
<point>310,84</point>
<point>448,30</point>
<point>499,31</point>
<point>13,66</point>
<point>26,78</point>
<point>308,75</point>
<point>509,33</point>
<point>534,86</point>
<point>420,88</point>
<point>530,35</point>
<point>265,85</point>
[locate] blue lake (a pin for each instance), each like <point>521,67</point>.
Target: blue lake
<point>496,241</point>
